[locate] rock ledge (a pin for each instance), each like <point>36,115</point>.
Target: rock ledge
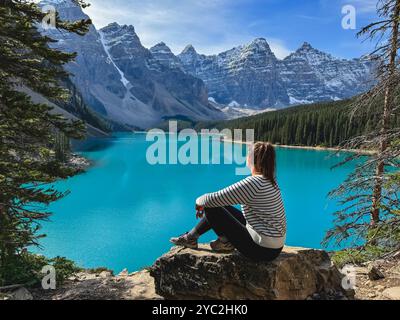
<point>297,274</point>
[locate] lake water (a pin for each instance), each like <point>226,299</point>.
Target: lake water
<point>122,211</point>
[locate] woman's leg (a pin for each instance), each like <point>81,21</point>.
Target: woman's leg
<point>204,226</point>
<point>190,239</point>
<point>229,223</point>
<point>225,223</point>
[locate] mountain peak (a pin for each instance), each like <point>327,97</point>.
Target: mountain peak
<point>111,27</point>
<point>67,9</point>
<point>306,45</point>
<point>259,41</point>
<point>189,49</point>
<point>162,55</point>
<point>123,36</point>
<point>308,53</point>
<point>114,27</point>
<point>260,44</point>
<point>307,48</point>
<point>257,47</point>
<point>161,47</point>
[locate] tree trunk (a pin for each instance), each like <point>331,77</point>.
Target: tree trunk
<point>2,245</point>
<point>380,168</point>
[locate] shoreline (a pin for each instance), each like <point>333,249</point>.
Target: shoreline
<point>79,162</point>
<point>284,146</point>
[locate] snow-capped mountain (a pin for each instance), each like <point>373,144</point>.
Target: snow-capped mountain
<point>247,74</point>
<point>252,76</point>
<point>130,84</point>
<point>311,75</point>
<point>121,79</point>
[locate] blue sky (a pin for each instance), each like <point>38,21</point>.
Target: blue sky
<point>212,26</point>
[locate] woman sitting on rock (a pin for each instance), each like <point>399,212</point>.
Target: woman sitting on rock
<point>260,231</point>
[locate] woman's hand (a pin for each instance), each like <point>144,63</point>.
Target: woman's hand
<point>199,211</point>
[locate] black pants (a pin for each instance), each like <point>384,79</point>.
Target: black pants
<point>230,223</point>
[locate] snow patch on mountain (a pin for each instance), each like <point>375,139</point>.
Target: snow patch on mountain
<point>235,112</point>
<point>124,80</point>
<point>294,101</point>
<point>234,104</point>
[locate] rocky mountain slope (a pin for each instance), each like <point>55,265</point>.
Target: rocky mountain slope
<point>122,80</point>
<point>74,110</point>
<point>252,76</point>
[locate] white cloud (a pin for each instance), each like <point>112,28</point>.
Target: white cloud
<point>209,25</point>
<point>279,48</point>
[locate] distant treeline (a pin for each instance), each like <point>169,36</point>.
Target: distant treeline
<point>76,106</point>
<point>321,124</point>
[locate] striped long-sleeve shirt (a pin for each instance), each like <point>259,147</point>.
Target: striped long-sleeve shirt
<point>262,207</point>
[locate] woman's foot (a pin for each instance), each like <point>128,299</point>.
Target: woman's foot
<point>221,246</point>
<point>185,241</point>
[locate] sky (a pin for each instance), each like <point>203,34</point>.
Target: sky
<point>213,26</point>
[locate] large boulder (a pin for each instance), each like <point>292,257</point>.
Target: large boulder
<point>297,274</point>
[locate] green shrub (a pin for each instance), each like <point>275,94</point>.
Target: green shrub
<point>64,268</point>
<point>26,268</point>
<point>357,256</point>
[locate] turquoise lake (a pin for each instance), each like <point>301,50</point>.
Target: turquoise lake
<point>122,211</point>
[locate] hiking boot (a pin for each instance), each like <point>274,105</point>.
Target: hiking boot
<point>221,246</point>
<point>185,241</point>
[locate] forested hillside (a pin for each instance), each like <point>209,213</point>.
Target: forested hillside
<point>321,124</point>
<point>76,106</point>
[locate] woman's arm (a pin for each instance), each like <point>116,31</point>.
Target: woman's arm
<point>239,193</point>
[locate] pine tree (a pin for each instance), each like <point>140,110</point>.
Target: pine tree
<point>28,131</point>
<point>369,198</point>
<point>387,53</point>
